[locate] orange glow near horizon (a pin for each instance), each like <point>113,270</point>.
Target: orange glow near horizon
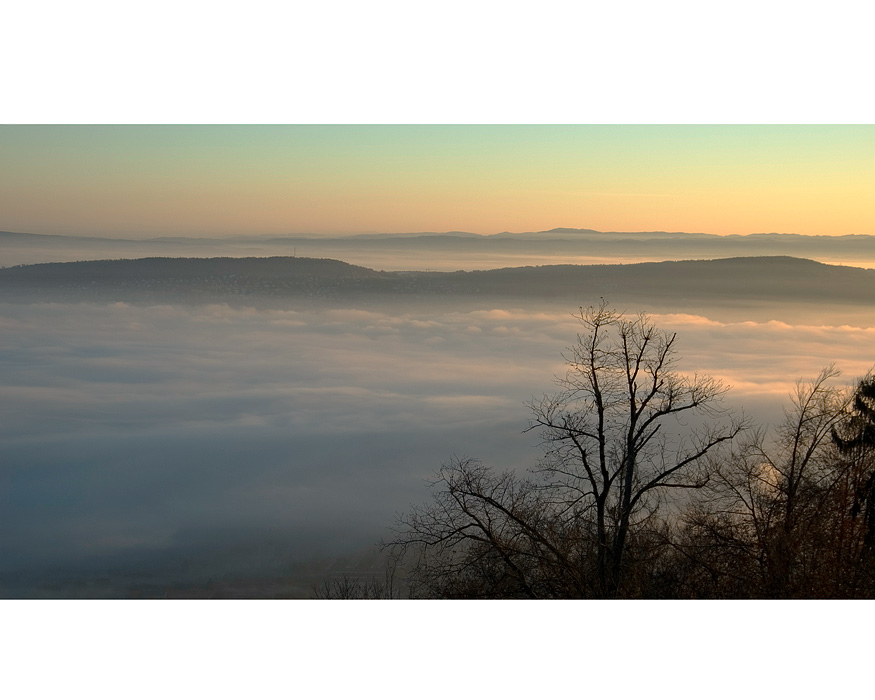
<point>131,181</point>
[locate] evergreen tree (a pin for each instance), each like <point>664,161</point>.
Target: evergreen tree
<point>856,438</point>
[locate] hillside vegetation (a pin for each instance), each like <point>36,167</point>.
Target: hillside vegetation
<point>768,279</point>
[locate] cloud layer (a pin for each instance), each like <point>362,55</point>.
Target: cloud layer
<point>169,428</point>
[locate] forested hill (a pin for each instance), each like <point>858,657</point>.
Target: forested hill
<point>226,279</point>
<point>119,272</point>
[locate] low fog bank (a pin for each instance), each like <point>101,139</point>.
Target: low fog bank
<point>165,449</point>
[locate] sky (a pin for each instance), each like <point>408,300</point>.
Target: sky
<point>155,180</point>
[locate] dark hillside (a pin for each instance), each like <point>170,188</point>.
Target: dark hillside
<point>758,279</point>
<point>163,268</point>
<point>194,279</point>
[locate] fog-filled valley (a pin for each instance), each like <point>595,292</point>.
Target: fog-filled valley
<point>196,440</point>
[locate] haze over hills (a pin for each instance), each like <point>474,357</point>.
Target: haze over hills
<point>453,250</point>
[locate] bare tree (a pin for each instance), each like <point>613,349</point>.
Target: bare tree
<point>485,535</point>
<point>617,436</point>
<point>625,429</point>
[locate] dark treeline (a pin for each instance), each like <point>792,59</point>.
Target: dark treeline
<point>650,487</point>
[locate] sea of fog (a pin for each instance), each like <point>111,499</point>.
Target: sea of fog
<point>176,445</point>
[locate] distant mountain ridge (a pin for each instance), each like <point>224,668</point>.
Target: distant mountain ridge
<point>560,232</point>
<point>453,250</point>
